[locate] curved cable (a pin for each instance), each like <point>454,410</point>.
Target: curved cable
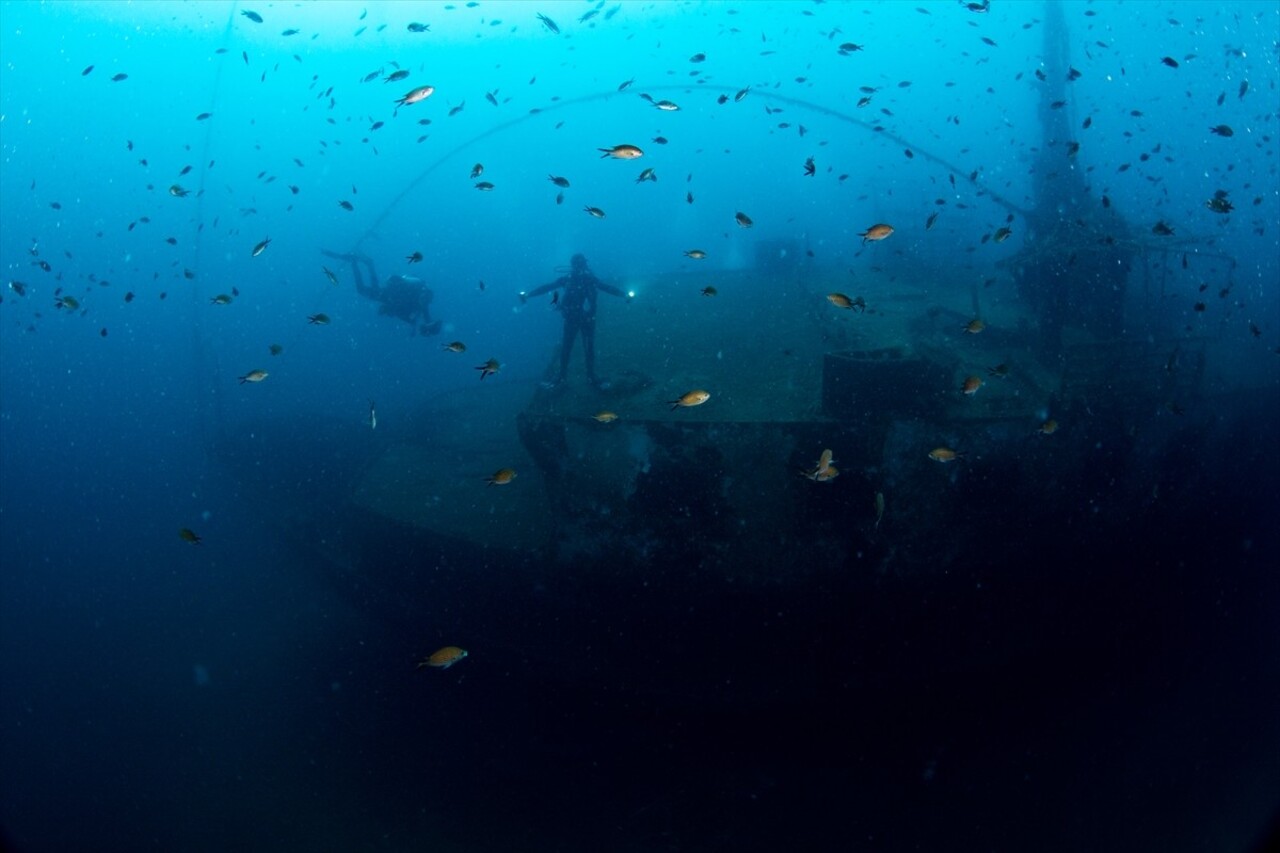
<point>585,99</point>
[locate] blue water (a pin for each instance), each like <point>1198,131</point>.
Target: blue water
<point>156,695</point>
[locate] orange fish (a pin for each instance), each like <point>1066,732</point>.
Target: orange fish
<point>971,385</point>
<point>443,658</point>
<point>693,398</point>
<point>974,326</point>
<point>824,475</point>
<point>876,233</point>
<point>944,454</point>
<point>501,477</point>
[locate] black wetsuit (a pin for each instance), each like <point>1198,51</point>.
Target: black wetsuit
<point>399,297</point>
<point>578,305</point>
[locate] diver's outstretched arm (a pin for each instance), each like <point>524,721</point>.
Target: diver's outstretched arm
<point>372,289</point>
<point>558,284</point>
<point>608,288</point>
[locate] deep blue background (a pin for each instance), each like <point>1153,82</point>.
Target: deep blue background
<point>159,696</point>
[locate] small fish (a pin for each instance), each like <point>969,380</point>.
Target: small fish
<point>395,76</point>
<point>810,168</point>
<point>373,415</point>
<point>709,291</point>
<point>621,152</point>
<point>443,658</point>
<point>975,326</point>
<point>743,220</point>
<point>696,254</point>
<point>119,78</point>
<point>1170,61</point>
<point>1244,87</point>
<point>204,116</point>
<point>693,398</point>
<point>489,367</point>
<point>667,106</point>
<point>605,417</point>
<point>594,211</point>
<point>85,73</point>
<point>484,186</point>
<point>971,385</point>
<point>260,248</point>
<point>178,192</point>
<point>928,223</point>
<point>1000,371</point>
<point>563,183</point>
<point>825,475</point>
<point>477,170</point>
<point>657,140</point>
<point>839,300</point>
<point>548,23</point>
<point>1161,229</point>
<point>417,95</point>
<point>415,258</point>
<point>1002,234</point>
<point>1049,427</point>
<point>501,477</point>
<point>253,16</point>
<point>68,302</point>
<point>254,376</point>
<point>1222,130</point>
<point>876,233</point>
<point>318,319</point>
<point>944,454</point>
<point>346,205</point>
<point>647,175</point>
<point>698,57</point>
<point>275,349</point>
<point>848,48</point>
<point>1219,205</point>
<point>186,534</point>
<point>740,94</point>
<point>416,27</point>
<point>328,273</point>
<point>220,299</point>
<point>18,288</point>
<point>455,346</point>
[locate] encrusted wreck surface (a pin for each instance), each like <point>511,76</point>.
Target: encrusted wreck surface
<point>722,485</point>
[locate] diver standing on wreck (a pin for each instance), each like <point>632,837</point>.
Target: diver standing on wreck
<point>401,296</point>
<point>578,306</point>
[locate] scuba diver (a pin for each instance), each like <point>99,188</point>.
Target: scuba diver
<point>578,305</point>
<point>401,296</point>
